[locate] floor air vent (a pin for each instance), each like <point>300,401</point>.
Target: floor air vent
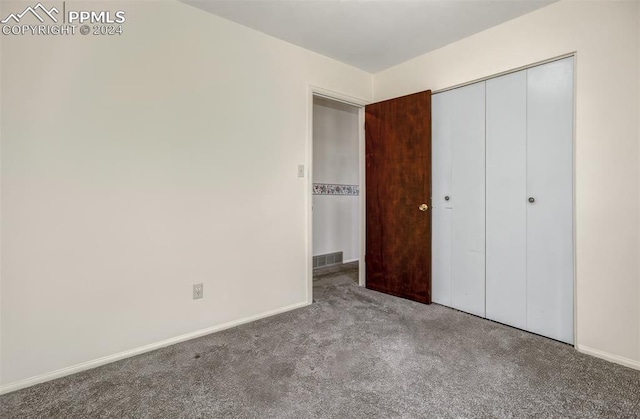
<point>327,260</point>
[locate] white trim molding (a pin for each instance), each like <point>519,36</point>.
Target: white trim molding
<point>28,382</point>
<point>609,357</point>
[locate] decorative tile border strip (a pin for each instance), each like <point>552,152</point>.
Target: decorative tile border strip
<point>331,189</point>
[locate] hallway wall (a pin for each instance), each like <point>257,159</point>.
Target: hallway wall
<point>336,204</point>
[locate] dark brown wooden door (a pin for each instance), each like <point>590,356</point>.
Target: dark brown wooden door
<point>398,182</point>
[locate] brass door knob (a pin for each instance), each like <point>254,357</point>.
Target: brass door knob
<point>423,207</point>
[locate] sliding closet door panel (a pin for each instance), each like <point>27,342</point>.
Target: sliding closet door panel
<point>550,187</point>
<point>468,198</point>
<point>441,187</point>
<point>506,154</point>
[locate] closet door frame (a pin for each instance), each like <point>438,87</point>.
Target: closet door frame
<point>573,54</point>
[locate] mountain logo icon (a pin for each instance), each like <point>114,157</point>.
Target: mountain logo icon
<point>34,11</point>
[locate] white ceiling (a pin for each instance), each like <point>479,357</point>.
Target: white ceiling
<point>371,35</point>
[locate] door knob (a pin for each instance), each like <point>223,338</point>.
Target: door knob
<point>532,199</point>
<point>446,198</point>
<point>423,207</point>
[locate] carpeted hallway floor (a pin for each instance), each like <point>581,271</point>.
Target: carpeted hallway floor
<point>354,353</point>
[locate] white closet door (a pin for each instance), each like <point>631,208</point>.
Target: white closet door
<point>440,208</point>
<point>458,198</point>
<point>550,185</point>
<point>506,155</point>
<point>467,198</point>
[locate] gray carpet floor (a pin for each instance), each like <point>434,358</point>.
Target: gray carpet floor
<point>354,353</point>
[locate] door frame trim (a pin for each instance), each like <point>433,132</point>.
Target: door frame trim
<point>359,103</point>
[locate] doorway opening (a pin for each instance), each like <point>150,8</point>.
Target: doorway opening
<point>337,188</point>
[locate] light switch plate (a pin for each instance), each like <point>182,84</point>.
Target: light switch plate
<point>301,170</point>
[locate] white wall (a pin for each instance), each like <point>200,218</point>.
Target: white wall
<point>136,166</point>
<point>605,36</point>
<point>336,220</point>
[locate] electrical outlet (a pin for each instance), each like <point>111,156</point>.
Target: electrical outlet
<point>198,291</point>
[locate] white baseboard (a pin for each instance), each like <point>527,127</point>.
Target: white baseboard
<point>8,388</point>
<point>609,357</point>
